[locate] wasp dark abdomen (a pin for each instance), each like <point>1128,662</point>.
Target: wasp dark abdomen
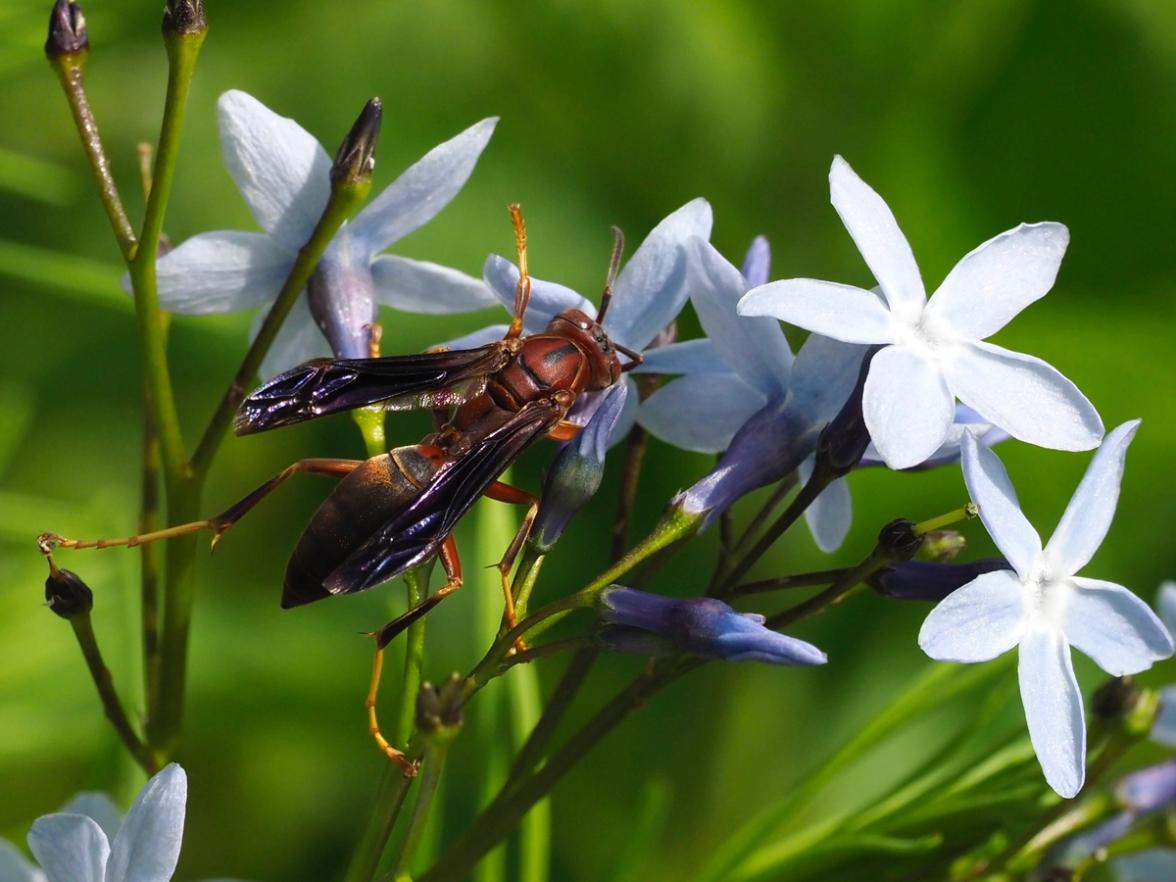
<point>361,503</point>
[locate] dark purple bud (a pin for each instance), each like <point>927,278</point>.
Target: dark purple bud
<point>342,300</point>
<point>439,708</point>
<point>67,30</point>
<point>1115,699</point>
<point>356,158</point>
<point>924,580</point>
<point>758,263</point>
<point>576,472</point>
<point>898,540</point>
<point>696,626</point>
<point>1148,789</point>
<point>183,18</point>
<point>844,441</point>
<point>66,594</point>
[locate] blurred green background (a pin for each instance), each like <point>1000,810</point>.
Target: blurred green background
<point>969,117</point>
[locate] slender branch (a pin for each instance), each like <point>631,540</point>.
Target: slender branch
<point>779,494</point>
<point>635,446</point>
<point>69,72</point>
<point>562,696</point>
<point>800,580</point>
<point>394,786</point>
<point>556,646</point>
<point>104,683</point>
<point>432,769</point>
<point>343,201</point>
<point>525,577</point>
<point>150,560</point>
<point>416,586</point>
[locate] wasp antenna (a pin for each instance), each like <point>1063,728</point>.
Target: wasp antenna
<point>614,266</point>
<point>523,288</point>
<point>635,357</point>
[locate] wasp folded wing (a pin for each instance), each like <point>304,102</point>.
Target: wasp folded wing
<point>416,533</point>
<point>326,385</point>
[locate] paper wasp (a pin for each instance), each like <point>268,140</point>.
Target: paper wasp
<point>397,510</point>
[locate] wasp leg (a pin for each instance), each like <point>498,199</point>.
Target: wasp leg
<point>452,564</point>
<point>565,430</point>
<point>505,493</point>
<point>375,335</point>
<point>523,288</point>
<point>218,524</point>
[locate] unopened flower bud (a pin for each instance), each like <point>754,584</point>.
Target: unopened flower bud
<point>356,158</point>
<point>925,580</point>
<point>899,541</point>
<point>1148,789</point>
<point>439,708</point>
<point>1115,699</point>
<point>576,472</point>
<point>696,626</point>
<point>182,18</point>
<point>67,30</point>
<point>844,441</point>
<point>942,546</point>
<point>66,594</point>
<point>757,263</point>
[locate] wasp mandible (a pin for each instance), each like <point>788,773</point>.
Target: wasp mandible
<point>397,510</point>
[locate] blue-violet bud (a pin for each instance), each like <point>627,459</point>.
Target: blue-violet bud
<point>925,580</point>
<point>1149,789</point>
<point>67,30</point>
<point>696,626</point>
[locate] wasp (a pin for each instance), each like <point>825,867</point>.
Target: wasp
<point>397,510</point>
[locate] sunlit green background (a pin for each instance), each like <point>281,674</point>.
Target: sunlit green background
<point>969,117</point>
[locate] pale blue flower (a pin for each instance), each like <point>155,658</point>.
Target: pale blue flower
<point>90,841</point>
<point>933,349</point>
<point>1164,730</point>
<point>283,173</point>
<point>1044,608</point>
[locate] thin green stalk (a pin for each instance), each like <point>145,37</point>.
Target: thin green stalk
<point>561,699</point>
<point>69,72</point>
<point>343,201</point>
<point>431,770</point>
<point>783,583</point>
<point>83,629</point>
<point>416,586</point>
<point>394,786</point>
<point>525,577</point>
<point>371,425</point>
<point>534,842</point>
<point>150,561</point>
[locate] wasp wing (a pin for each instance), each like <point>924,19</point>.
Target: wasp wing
<point>327,385</point>
<point>416,533</point>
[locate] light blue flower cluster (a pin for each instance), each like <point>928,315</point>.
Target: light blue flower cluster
<point>900,358</point>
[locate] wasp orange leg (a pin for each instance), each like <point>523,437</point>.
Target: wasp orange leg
<point>501,492</point>
<point>452,564</point>
<point>218,524</point>
<point>565,430</point>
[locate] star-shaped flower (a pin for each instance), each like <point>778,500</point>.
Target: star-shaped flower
<point>283,173</point>
<point>90,841</point>
<point>933,349</point>
<point>1044,608</point>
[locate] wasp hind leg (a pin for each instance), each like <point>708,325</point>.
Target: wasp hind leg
<point>385,635</point>
<point>505,493</point>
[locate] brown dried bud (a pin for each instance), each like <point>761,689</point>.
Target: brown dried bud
<point>184,18</point>
<point>67,30</point>
<point>66,594</point>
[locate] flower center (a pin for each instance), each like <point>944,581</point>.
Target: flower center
<point>1047,597</point>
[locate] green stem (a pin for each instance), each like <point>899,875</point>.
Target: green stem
<point>525,577</point>
<point>343,201</point>
<point>963,513</point>
<point>103,681</point>
<point>431,770</point>
<point>561,699</point>
<point>69,72</point>
<point>394,786</point>
<point>416,586</point>
<point>150,561</point>
<point>800,580</point>
<point>371,425</point>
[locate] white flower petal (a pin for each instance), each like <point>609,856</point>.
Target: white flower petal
<point>1164,729</point>
<point>852,315</point>
<point>1023,395</point>
<point>907,406</point>
<point>280,169</point>
<point>874,230</point>
<point>1115,628</point>
<point>977,622</point>
<point>70,848</point>
<point>830,515</point>
<point>15,867</point>
<point>477,338</point>
<point>688,357</point>
<point>147,847</point>
<point>1053,710</point>
<point>754,347</point>
<point>426,187</point>
<point>990,488</point>
<point>700,412</point>
<point>298,339</point>
<point>548,299</point>
<point>822,378</point>
<point>429,288</point>
<point>1166,601</point>
<point>1000,278</point>
<point>221,272</point>
<point>1088,515</point>
<point>654,284</point>
<point>98,806</point>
